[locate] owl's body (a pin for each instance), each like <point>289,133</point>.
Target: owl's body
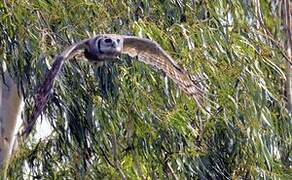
<point>106,47</point>
<point>110,46</point>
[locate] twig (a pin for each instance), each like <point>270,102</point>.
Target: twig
<point>115,156</point>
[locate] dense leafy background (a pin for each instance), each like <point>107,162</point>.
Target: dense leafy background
<point>125,120</point>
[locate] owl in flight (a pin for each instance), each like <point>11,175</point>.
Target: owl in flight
<point>107,47</point>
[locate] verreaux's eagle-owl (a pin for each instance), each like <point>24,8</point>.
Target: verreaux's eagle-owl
<point>109,46</point>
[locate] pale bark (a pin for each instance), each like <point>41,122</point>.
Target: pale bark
<point>287,13</point>
<point>10,109</point>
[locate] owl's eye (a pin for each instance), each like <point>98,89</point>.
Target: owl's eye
<point>107,40</point>
<point>118,40</point>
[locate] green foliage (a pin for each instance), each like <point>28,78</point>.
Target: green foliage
<point>124,119</point>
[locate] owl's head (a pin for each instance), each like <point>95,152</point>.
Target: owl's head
<point>103,48</point>
<point>110,44</point>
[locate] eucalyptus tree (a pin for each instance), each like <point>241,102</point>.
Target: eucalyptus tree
<point>125,120</point>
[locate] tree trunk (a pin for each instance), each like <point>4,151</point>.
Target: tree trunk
<point>10,109</point>
<point>288,44</point>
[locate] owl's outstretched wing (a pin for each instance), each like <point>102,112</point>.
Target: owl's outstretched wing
<point>151,53</point>
<point>147,51</point>
<point>43,92</point>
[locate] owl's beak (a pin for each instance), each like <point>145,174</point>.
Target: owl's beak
<point>114,44</point>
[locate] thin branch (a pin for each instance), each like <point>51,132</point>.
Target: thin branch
<point>137,164</point>
<point>115,156</point>
<point>172,171</point>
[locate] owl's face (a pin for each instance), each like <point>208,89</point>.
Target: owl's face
<point>110,45</point>
<point>104,48</point>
